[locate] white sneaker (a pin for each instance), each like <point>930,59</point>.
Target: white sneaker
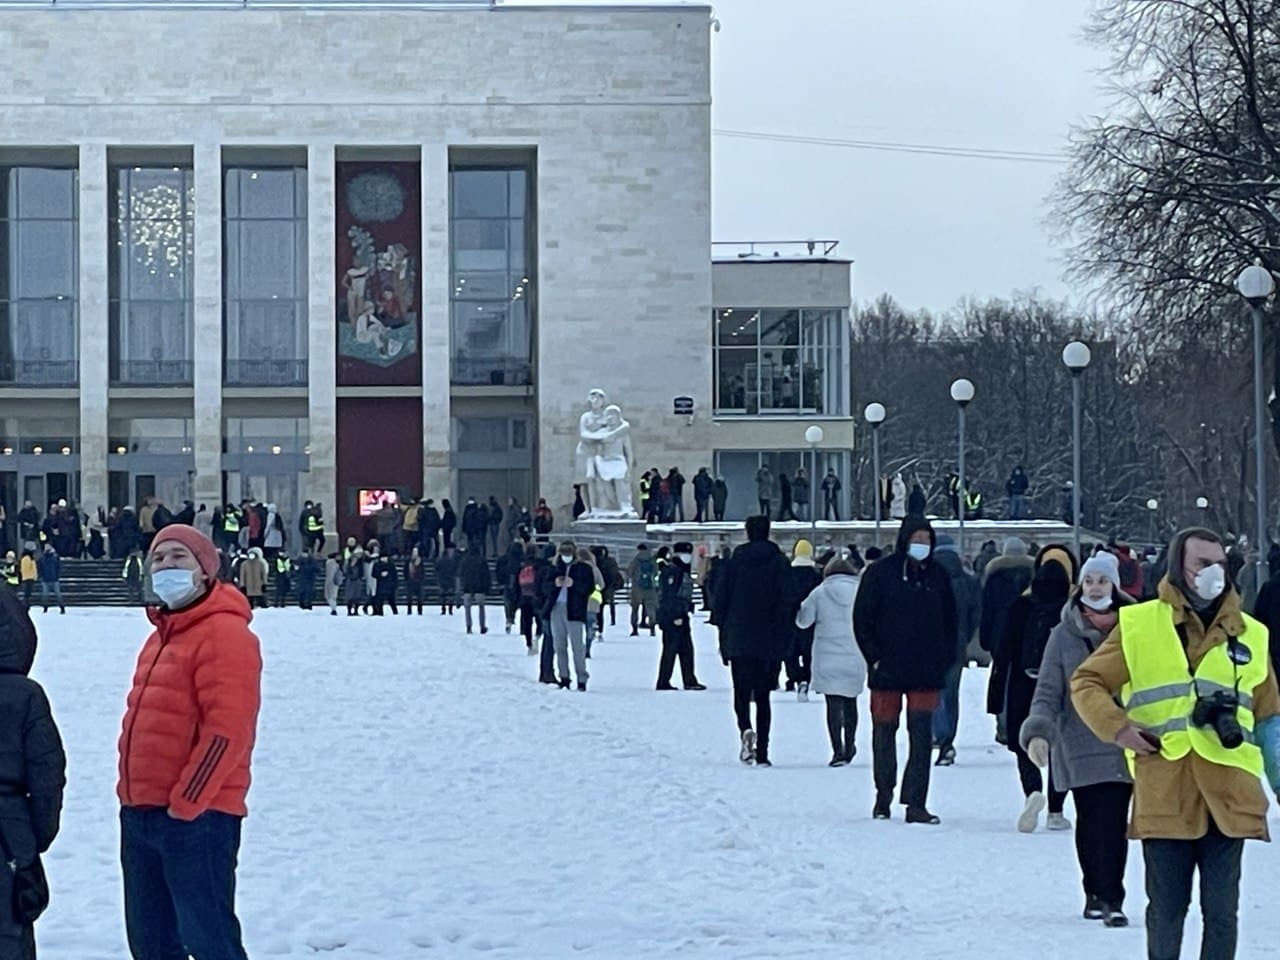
<point>1030,818</point>
<point>1057,821</point>
<point>802,692</point>
<point>748,752</point>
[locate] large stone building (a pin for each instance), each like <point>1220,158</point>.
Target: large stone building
<point>310,251</point>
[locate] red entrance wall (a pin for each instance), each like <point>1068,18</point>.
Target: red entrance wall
<point>379,446</point>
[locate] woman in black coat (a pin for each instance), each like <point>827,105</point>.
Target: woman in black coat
<point>32,768</point>
<point>1026,632</point>
<point>448,523</point>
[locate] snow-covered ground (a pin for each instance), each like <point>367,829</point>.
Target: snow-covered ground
<point>417,794</point>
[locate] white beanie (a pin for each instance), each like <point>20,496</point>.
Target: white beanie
<point>1104,564</point>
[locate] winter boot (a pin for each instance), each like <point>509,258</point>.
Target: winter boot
<point>1094,908</point>
<point>1113,916</point>
<point>921,815</point>
<point>1057,821</point>
<point>946,757</point>
<point>881,811</point>
<point>1030,817</point>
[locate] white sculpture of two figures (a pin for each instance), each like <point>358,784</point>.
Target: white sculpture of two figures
<point>605,460</point>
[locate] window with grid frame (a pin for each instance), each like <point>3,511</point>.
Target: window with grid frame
<point>39,282</point>
<point>151,277</point>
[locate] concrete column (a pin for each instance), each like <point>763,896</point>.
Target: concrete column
<point>94,326</point>
<point>436,421</point>
<point>208,322</point>
<point>322,485</point>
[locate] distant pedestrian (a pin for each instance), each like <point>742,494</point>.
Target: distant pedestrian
<point>447,579</point>
<point>565,608</point>
<point>132,574</point>
<point>764,489</point>
<point>831,487</point>
<point>385,580</point>
<point>642,574</point>
<point>904,619</point>
<point>50,568</point>
<point>719,498</point>
<point>414,580</point>
<point>355,588</point>
<point>332,582</point>
<point>839,670</point>
<point>675,612</point>
<point>702,487</point>
<point>1016,488</point>
<point>754,634</point>
<point>801,580</point>
<point>474,572</point>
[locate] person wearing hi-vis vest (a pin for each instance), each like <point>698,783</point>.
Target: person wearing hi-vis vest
<point>1197,715</point>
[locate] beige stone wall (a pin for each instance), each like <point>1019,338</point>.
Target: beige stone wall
<point>615,102</point>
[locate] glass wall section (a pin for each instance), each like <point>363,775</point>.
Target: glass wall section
<point>265,275</point>
<point>150,457</point>
<point>151,275</point>
<point>741,472</point>
<point>492,297</point>
<point>781,362</point>
<point>39,263</point>
<point>264,459</point>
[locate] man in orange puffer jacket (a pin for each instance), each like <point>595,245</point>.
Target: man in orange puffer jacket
<point>184,757</point>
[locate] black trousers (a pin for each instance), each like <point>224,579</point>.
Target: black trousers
<point>753,680</point>
<point>677,642</point>
<point>842,724</point>
<point>1171,865</point>
<point>1033,782</point>
<point>414,596</point>
<point>1102,842</point>
<point>528,619</point>
<point>886,714</point>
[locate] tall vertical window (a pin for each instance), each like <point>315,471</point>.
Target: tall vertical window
<point>39,262</point>
<point>492,297</point>
<point>265,275</point>
<point>779,362</point>
<point>151,276</point>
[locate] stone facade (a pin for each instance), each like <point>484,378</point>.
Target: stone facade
<point>615,102</point>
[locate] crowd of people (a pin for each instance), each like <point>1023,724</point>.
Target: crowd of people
<point>1142,691</point>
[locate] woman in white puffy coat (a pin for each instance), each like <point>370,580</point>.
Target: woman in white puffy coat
<point>839,670</point>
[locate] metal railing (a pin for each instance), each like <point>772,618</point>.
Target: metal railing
<point>152,373</point>
<point>265,373</point>
<point>768,249</point>
<point>38,373</point>
<point>491,372</point>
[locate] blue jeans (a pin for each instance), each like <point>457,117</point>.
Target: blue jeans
<point>946,719</point>
<point>54,588</point>
<point>180,885</point>
<point>1017,506</point>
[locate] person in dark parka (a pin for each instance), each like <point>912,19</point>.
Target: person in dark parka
<point>1026,634</point>
<point>1003,581</point>
<point>755,636</point>
<point>905,623</point>
<point>802,578</point>
<point>32,767</point>
<point>675,613</point>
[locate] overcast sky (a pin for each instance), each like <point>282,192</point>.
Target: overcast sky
<point>992,74</point>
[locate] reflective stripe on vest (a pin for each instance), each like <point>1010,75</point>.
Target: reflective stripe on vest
<point>313,525</point>
<point>1161,693</point>
<point>231,523</point>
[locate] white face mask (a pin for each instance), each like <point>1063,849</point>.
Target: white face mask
<point>1211,581</point>
<point>685,558</point>
<point>919,551</point>
<point>1100,604</point>
<point>566,557</point>
<point>175,587</point>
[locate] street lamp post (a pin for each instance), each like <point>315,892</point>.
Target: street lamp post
<point>1153,505</point>
<point>1076,356</point>
<point>962,393</point>
<point>813,437</point>
<point>875,414</point>
<point>1255,284</point>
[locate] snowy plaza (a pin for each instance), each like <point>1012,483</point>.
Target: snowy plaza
<point>417,794</point>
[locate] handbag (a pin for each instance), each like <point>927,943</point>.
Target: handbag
<point>30,886</point>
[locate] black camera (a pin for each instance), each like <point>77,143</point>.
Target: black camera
<point>1219,711</point>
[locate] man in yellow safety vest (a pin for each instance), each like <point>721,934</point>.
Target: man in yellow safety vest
<point>1200,723</point>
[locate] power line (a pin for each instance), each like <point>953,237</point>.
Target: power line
<point>925,149</point>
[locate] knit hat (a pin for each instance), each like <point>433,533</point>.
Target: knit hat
<point>802,550</point>
<point>1015,547</point>
<point>1103,564</point>
<point>201,547</point>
